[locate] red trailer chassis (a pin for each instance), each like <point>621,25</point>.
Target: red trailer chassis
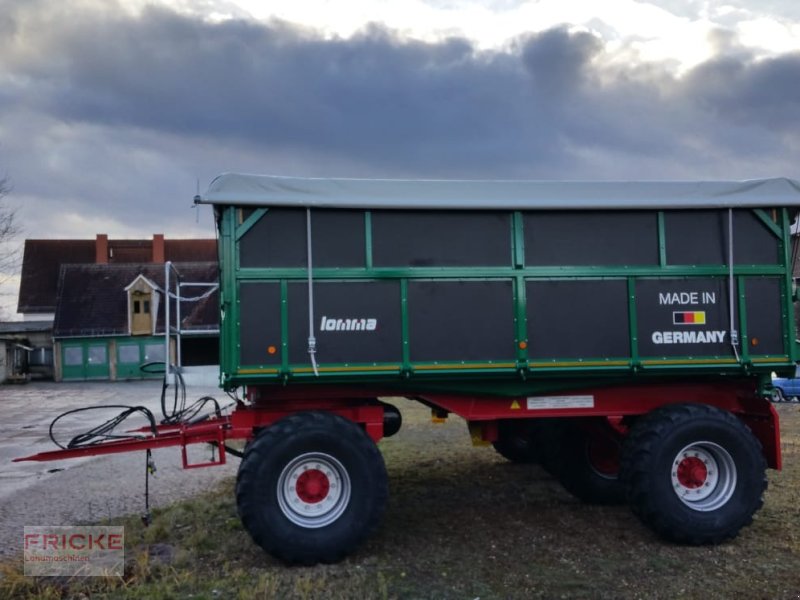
<point>269,405</point>
<point>690,459</point>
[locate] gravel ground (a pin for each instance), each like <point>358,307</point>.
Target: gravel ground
<point>69,492</point>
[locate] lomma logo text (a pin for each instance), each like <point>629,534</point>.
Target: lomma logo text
<point>357,324</point>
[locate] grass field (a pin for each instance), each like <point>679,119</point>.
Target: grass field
<point>461,523</point>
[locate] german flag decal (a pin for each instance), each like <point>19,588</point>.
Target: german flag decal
<point>696,317</point>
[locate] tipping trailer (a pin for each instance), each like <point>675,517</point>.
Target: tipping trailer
<point>622,334</point>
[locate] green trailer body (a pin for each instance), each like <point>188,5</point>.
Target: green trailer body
<point>502,299</point>
<point>620,335</point>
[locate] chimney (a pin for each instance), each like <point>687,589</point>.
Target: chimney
<point>101,249</point>
<point>158,248</point>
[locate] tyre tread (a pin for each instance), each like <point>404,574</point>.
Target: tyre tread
<point>259,450</point>
<point>637,459</point>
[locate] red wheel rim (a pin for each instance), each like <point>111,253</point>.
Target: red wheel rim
<point>692,472</point>
<point>313,486</point>
<point>604,456</point>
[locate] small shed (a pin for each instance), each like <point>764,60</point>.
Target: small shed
<point>26,351</point>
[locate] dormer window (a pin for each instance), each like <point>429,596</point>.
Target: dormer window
<point>142,306</point>
<point>141,319</point>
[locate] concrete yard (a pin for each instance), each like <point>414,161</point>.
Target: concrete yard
<point>69,492</point>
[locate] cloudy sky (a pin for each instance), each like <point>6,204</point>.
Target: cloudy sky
<point>111,111</point>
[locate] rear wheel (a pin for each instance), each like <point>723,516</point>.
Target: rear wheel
<point>516,441</point>
<point>585,460</point>
<point>311,487</point>
<point>695,474</point>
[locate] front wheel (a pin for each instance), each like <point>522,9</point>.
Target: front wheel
<point>778,395</point>
<point>311,487</point>
<point>695,474</point>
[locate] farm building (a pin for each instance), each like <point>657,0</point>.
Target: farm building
<point>100,301</point>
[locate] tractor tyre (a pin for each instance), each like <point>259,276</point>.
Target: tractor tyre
<point>694,474</point>
<point>585,460</point>
<point>311,488</point>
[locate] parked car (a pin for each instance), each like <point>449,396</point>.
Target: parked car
<point>786,389</point>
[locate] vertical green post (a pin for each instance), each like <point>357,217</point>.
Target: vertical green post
<point>404,324</point>
<point>228,296</point>
<point>521,319</point>
<point>517,240</point>
<point>789,333</point>
<point>632,322</point>
<point>284,327</point>
<point>520,296</point>
<point>368,238</point>
<point>744,341</point>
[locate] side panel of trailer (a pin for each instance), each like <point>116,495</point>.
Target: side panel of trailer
<point>503,302</point>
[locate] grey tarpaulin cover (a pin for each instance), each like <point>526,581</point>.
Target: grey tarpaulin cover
<point>271,190</point>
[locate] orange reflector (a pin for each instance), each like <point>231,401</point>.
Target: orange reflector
<point>523,345</point>
<point>272,350</point>
<point>754,341</point>
<point>476,433</point>
<point>438,416</point>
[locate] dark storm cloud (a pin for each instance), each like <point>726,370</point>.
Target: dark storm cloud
<point>557,61</point>
<point>108,120</point>
<point>371,96</point>
<point>765,93</point>
<point>394,104</point>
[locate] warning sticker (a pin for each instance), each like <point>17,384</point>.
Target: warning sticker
<point>559,402</point>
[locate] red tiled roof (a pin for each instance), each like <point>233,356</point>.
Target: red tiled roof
<point>42,260</point>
